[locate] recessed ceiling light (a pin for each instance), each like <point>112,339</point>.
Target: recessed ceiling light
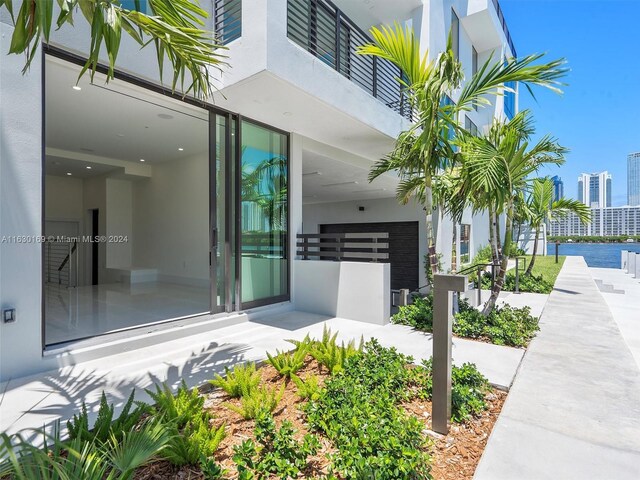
<point>287,114</point>
<point>165,116</point>
<point>142,159</point>
<point>69,173</point>
<point>311,173</point>
<point>88,167</point>
<point>180,149</point>
<point>77,87</point>
<point>120,135</point>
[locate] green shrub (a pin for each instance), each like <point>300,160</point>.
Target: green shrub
<point>505,325</point>
<point>527,284</point>
<point>358,411</point>
<point>468,391</point>
<point>308,389</point>
<point>418,315</point>
<point>258,401</point>
<point>105,424</point>
<point>288,363</point>
<point>277,453</point>
<point>243,378</point>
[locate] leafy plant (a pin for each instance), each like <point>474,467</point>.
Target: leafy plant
<point>194,443</point>
<point>180,408</point>
<point>528,283</point>
<point>237,382</point>
<point>115,459</point>
<point>258,401</point>
<point>333,356</point>
<point>192,436</point>
<point>105,425</point>
<point>277,453</point>
<point>418,314</point>
<point>288,363</point>
<point>308,389</point>
<point>468,391</point>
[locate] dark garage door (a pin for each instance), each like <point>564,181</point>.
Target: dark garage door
<point>403,248</point>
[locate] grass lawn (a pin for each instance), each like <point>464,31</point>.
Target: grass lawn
<point>547,267</point>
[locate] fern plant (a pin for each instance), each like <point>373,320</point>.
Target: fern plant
<point>258,401</point>
<point>105,424</point>
<point>308,389</point>
<point>242,379</point>
<point>288,363</point>
<point>196,442</point>
<point>179,408</point>
<point>330,354</point>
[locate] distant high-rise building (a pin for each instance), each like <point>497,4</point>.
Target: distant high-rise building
<point>558,188</point>
<point>594,189</point>
<point>633,179</point>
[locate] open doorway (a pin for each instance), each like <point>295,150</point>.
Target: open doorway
<point>128,198</point>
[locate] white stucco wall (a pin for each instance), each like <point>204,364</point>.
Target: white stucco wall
<point>20,209</point>
<point>351,290</point>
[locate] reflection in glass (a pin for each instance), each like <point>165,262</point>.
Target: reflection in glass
<point>263,213</point>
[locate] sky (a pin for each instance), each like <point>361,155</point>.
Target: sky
<point>598,116</point>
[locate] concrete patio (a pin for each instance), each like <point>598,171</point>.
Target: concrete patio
<point>573,411</point>
<point>32,402</point>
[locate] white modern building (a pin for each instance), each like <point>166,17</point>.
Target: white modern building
<point>633,179</point>
<point>144,196</point>
<point>611,221</point>
<point>594,189</point>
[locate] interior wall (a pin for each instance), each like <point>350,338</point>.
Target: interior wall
<point>171,214</point>
<point>119,213</point>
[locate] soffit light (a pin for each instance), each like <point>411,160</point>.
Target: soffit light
<point>88,167</point>
<point>77,88</point>
<point>142,159</point>
<point>180,149</point>
<point>69,173</point>
<point>311,174</point>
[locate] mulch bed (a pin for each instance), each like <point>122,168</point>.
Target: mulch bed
<point>454,457</point>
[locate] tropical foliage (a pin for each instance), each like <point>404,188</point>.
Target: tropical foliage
<point>540,208</point>
<point>427,148</point>
<point>174,27</point>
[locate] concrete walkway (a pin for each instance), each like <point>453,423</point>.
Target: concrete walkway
<point>573,411</point>
<point>624,303</point>
<point>35,401</point>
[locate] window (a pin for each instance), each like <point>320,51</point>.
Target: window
<point>474,68</point>
<point>264,214</point>
<point>228,20</point>
<point>465,242</point>
<point>470,127</point>
<point>455,34</point>
<point>445,102</point>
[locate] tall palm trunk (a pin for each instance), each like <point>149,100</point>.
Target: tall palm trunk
<point>431,238</point>
<point>535,252</point>
<point>504,261</point>
<point>454,251</point>
<point>494,239</point>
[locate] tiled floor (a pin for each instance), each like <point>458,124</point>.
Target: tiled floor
<point>86,311</point>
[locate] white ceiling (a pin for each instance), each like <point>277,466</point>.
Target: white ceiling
<point>117,120</point>
<point>326,179</point>
<point>366,13</point>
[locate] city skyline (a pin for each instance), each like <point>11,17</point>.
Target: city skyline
<point>593,117</point>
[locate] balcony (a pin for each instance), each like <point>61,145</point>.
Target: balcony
<point>327,33</point>
<point>486,25</point>
<point>505,28</point>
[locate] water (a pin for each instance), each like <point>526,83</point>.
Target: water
<point>603,255</point>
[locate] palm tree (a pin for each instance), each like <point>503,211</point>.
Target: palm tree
<point>498,167</point>
<point>541,208</point>
<point>423,151</point>
<point>175,27</point>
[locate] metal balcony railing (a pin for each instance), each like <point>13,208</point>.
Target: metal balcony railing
<point>505,28</point>
<point>323,30</point>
